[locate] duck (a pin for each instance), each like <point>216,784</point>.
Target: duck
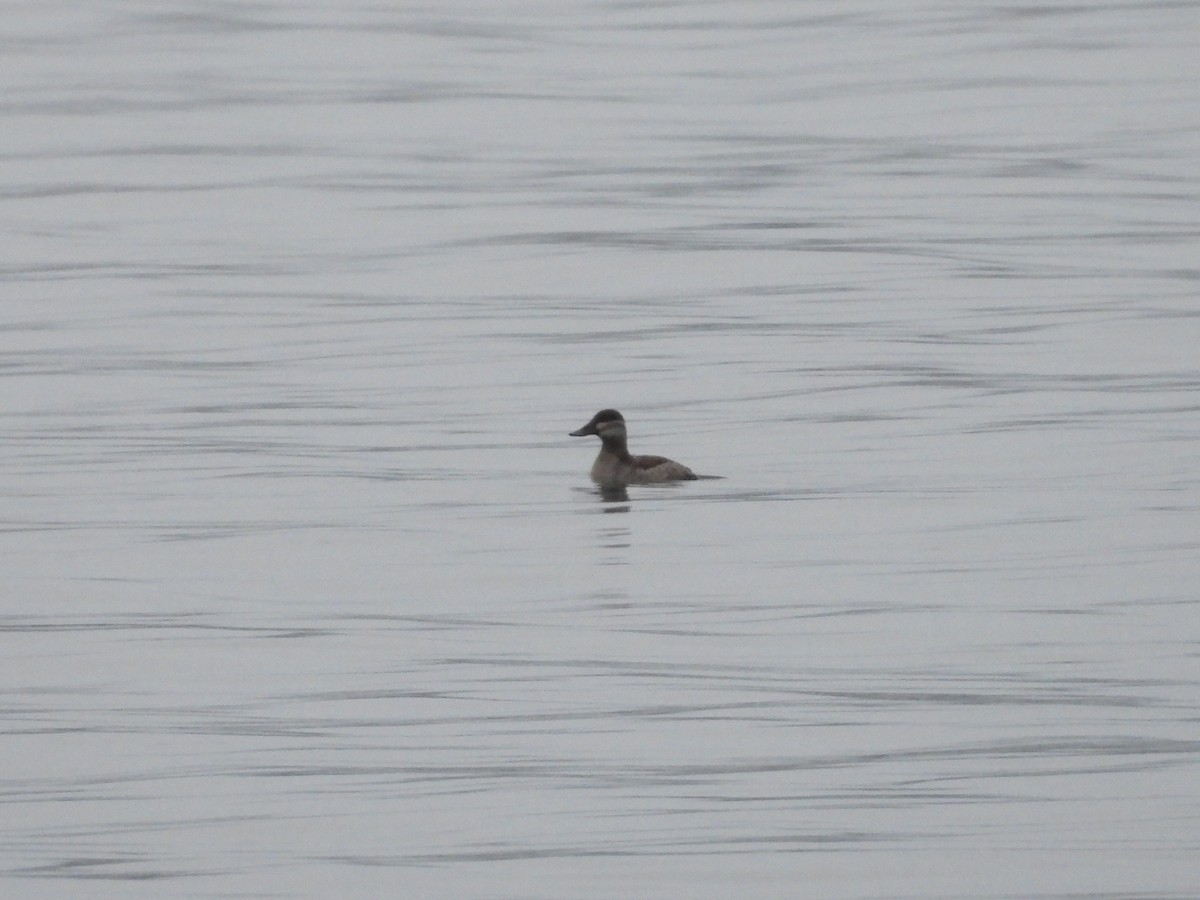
<point>615,467</point>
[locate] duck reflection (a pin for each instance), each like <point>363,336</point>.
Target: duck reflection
<point>614,495</point>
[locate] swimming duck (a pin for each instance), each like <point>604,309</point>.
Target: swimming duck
<point>615,467</point>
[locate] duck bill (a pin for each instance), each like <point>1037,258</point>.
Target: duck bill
<point>589,428</point>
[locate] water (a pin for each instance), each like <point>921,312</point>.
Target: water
<point>306,592</point>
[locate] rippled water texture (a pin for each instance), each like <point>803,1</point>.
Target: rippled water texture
<point>306,592</point>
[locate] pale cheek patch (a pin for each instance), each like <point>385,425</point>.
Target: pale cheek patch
<point>610,429</point>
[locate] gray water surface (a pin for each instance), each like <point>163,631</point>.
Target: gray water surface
<point>306,592</point>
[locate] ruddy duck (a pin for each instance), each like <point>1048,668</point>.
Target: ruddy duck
<point>615,467</point>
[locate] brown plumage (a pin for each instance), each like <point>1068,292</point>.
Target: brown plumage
<point>616,467</point>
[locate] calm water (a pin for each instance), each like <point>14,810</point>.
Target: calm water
<point>306,592</point>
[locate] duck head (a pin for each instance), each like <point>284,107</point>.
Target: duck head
<point>608,425</point>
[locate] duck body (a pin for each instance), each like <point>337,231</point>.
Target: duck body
<point>616,467</point>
